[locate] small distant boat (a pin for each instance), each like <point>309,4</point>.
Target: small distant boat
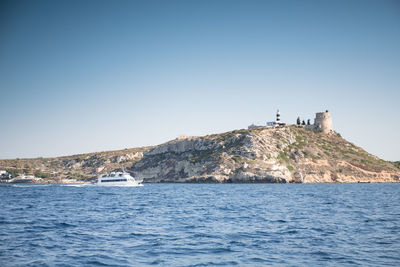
<point>122,178</point>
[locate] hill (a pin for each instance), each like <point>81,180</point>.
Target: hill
<point>291,154</point>
<point>265,154</point>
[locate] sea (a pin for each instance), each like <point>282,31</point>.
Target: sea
<point>200,225</point>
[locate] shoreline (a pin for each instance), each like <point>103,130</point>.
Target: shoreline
<point>244,183</point>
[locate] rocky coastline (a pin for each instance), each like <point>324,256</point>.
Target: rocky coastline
<point>289,154</point>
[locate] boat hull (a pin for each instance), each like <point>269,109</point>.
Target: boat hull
<point>118,184</point>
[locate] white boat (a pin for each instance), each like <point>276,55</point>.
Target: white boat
<point>118,179</point>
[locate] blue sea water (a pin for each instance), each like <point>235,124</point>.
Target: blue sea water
<point>200,225</point>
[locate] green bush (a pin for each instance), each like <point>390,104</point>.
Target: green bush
<point>41,174</point>
<point>283,156</point>
<point>237,159</point>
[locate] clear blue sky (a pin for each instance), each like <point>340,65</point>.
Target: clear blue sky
<point>85,76</point>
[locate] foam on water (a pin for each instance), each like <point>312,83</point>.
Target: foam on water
<point>77,185</point>
<point>29,185</point>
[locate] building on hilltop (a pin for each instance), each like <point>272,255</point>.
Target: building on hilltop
<point>253,126</point>
<point>322,122</point>
<point>275,123</point>
<point>184,137</point>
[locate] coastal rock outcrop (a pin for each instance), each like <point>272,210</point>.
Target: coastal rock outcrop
<point>288,154</point>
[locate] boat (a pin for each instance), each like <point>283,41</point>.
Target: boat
<point>118,178</point>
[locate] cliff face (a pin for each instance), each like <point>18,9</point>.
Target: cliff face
<point>260,155</point>
<point>277,155</point>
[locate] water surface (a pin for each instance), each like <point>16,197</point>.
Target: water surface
<point>201,225</point>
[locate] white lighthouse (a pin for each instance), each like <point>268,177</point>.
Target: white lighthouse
<point>278,118</point>
<point>277,121</point>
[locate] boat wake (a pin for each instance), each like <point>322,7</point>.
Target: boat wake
<point>78,185</point>
<point>29,185</point>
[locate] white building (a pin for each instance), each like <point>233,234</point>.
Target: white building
<point>277,121</point>
<point>253,126</point>
<point>4,175</point>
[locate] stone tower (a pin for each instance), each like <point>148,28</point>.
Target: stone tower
<point>323,122</point>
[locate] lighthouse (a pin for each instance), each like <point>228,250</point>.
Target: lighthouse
<point>278,118</point>
<point>277,121</point>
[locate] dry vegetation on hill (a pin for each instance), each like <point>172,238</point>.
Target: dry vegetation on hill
<point>286,154</point>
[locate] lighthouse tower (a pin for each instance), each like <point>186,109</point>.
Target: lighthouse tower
<point>278,118</point>
<point>277,121</point>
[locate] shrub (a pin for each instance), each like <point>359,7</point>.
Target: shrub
<point>283,156</point>
<point>237,159</point>
<point>41,174</point>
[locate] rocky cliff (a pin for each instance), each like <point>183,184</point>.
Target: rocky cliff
<point>263,155</point>
<point>290,154</point>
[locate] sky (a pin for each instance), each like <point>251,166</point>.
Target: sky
<point>87,76</point>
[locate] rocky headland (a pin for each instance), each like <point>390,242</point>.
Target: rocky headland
<point>290,154</point>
